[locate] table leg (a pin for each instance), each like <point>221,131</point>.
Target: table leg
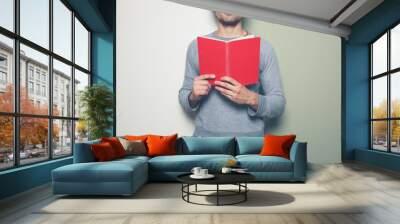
<point>195,188</point>
<point>217,194</point>
<point>245,193</point>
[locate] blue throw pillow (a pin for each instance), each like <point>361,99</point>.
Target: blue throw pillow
<point>207,145</point>
<point>249,145</point>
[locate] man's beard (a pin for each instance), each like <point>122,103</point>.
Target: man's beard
<point>231,23</point>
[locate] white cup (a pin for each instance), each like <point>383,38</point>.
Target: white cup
<point>226,170</point>
<point>196,171</point>
<point>203,172</point>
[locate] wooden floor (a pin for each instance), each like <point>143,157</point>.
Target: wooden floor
<point>379,189</point>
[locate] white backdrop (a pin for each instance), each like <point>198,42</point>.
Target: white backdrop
<point>152,37</point>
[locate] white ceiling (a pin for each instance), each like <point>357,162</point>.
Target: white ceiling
<point>315,15</point>
<point>319,9</point>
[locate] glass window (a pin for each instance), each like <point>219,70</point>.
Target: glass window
<point>33,140</point>
<point>34,79</point>
<point>81,82</point>
<point>62,29</point>
<point>379,56</point>
<point>385,92</point>
<point>81,45</point>
<point>7,14</point>
<point>34,21</point>
<point>395,47</point>
<point>395,95</point>
<point>6,73</point>
<point>62,72</point>
<point>30,87</point>
<point>395,136</point>
<point>62,137</point>
<point>40,62</point>
<point>81,131</point>
<point>379,135</point>
<point>6,142</point>
<point>379,100</point>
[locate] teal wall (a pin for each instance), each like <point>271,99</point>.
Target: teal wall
<point>99,15</point>
<point>356,86</point>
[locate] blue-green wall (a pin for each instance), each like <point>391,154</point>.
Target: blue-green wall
<point>356,86</point>
<point>99,15</point>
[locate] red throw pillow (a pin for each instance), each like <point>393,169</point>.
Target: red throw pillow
<point>116,145</point>
<point>136,137</point>
<point>103,152</point>
<point>161,145</point>
<point>277,145</point>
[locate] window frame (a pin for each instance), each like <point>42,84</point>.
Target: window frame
<point>388,74</point>
<point>16,115</point>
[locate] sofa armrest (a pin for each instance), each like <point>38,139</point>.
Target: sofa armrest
<point>83,152</point>
<point>298,155</point>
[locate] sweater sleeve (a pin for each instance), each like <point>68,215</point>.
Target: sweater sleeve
<point>272,101</point>
<point>191,70</point>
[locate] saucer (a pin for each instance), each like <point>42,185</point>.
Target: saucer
<point>208,176</point>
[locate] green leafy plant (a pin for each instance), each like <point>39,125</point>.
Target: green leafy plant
<point>96,102</point>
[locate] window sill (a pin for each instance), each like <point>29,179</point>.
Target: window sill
<point>30,166</point>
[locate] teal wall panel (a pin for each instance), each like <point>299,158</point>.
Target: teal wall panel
<point>356,86</point>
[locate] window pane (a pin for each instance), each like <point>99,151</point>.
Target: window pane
<point>395,94</point>
<point>81,45</point>
<point>62,89</point>
<point>33,140</point>
<point>379,135</point>
<point>81,131</point>
<point>81,82</point>
<point>6,74</point>
<point>7,14</point>
<point>62,29</point>
<point>34,97</point>
<point>395,136</point>
<point>6,142</point>
<point>62,138</point>
<point>35,21</point>
<point>395,47</point>
<point>379,55</point>
<point>379,100</point>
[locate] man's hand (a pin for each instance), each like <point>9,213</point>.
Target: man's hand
<point>237,92</point>
<point>200,87</point>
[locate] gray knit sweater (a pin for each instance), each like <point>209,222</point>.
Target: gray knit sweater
<point>216,115</point>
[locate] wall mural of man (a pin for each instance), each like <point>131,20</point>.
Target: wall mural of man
<point>230,108</point>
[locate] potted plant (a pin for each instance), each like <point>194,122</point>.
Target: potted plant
<point>96,103</point>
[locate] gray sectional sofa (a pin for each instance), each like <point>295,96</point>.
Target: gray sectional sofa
<point>125,176</point>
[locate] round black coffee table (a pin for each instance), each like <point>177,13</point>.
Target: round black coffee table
<point>238,179</point>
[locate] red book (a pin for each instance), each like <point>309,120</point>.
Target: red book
<point>238,58</point>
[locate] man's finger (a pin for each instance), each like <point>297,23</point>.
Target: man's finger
<point>226,85</point>
<point>203,82</point>
<point>230,80</point>
<point>207,76</point>
<point>225,92</point>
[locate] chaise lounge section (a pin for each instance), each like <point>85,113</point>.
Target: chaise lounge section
<point>125,176</point>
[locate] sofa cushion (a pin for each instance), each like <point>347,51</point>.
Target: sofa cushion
<point>159,145</point>
<point>249,145</point>
<point>112,171</point>
<point>185,163</point>
<point>257,163</point>
<point>83,152</point>
<point>207,145</point>
<point>103,152</point>
<point>277,145</point>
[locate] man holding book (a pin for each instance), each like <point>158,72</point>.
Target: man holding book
<point>225,104</point>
